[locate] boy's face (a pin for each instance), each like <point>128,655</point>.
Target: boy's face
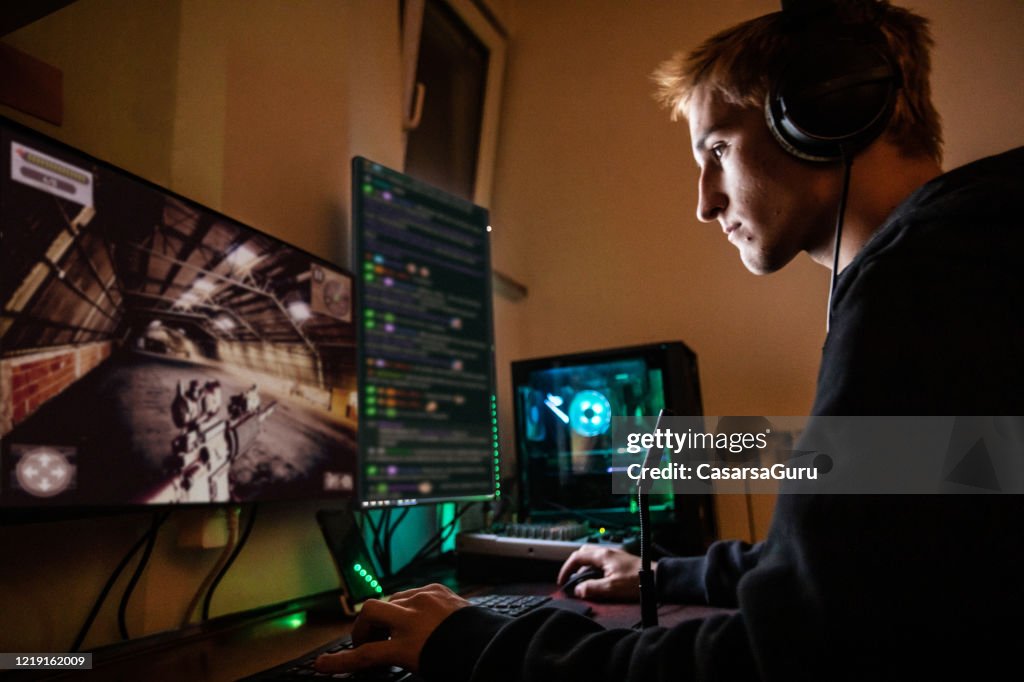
<point>771,205</point>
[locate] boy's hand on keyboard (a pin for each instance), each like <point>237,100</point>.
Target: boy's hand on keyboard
<point>394,632</point>
<point>621,569</point>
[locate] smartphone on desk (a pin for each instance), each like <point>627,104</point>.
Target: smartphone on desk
<point>356,573</point>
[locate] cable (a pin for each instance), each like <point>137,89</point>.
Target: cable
<point>434,542</point>
<point>394,526</point>
<point>122,609</point>
<point>229,547</point>
<point>363,518</point>
<point>389,534</point>
<point>648,604</point>
<point>445,531</point>
<point>382,548</point>
<point>383,535</point>
<point>648,597</point>
<point>368,516</point>
<point>378,550</point>
<point>438,538</point>
<point>231,560</point>
<point>94,611</point>
<point>384,545</point>
<point>847,170</point>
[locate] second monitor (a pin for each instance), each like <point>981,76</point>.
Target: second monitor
<point>428,414</point>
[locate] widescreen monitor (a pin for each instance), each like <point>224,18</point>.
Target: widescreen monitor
<point>154,351</point>
<point>428,409</point>
<point>564,406</point>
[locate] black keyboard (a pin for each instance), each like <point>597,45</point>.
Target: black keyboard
<point>510,604</point>
<point>302,668</point>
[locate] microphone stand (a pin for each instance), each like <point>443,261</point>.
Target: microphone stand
<point>648,600</point>
<point>648,595</point>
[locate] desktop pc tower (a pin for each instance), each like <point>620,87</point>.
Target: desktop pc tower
<point>564,405</point>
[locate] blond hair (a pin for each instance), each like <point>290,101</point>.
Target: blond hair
<point>740,63</point>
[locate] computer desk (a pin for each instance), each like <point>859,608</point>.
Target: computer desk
<point>228,650</point>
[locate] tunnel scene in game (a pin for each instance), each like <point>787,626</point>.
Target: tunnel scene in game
<point>154,351</point>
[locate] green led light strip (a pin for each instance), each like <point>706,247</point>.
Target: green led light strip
<point>497,451</point>
<point>368,577</point>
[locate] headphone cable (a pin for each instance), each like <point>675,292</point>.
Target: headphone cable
<point>847,168</point>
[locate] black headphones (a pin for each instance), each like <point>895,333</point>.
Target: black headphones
<point>838,86</point>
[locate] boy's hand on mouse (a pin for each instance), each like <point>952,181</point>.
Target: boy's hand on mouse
<point>394,632</point>
<point>621,581</point>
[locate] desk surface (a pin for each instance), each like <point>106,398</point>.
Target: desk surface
<point>248,646</point>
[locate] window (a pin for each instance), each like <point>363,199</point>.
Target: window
<point>454,59</point>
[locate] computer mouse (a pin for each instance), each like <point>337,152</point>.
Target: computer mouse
<point>585,573</point>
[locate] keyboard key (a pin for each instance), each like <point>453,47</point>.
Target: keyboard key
<point>510,604</point>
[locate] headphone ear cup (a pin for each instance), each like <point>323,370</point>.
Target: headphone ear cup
<point>836,96</point>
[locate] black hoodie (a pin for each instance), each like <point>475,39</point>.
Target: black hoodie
<point>928,319</point>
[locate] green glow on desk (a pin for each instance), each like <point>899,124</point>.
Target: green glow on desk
<point>273,627</point>
<point>297,621</point>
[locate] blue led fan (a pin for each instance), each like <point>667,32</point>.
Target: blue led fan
<point>590,413</point>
